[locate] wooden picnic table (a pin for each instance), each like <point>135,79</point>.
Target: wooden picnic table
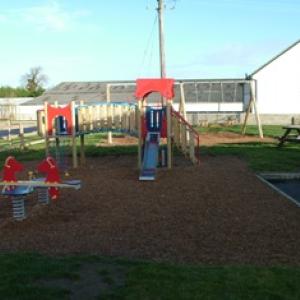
<point>291,134</point>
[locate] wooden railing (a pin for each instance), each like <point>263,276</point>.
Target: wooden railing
<point>185,137</point>
<point>14,135</point>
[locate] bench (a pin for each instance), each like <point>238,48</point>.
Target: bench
<point>291,134</point>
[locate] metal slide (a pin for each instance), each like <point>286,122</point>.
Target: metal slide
<point>150,159</point>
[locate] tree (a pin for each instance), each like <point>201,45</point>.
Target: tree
<point>34,81</point>
<point>8,92</point>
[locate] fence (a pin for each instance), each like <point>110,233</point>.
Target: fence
<point>17,134</point>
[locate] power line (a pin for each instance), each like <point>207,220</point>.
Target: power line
<point>149,44</point>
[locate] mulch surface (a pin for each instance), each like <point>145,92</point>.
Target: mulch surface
<point>206,139</point>
<point>215,213</point>
<point>211,138</point>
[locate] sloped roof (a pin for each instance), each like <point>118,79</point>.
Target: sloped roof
<point>275,57</point>
<point>196,90</point>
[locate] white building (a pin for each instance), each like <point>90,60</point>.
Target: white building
<point>278,87</point>
<point>17,109</point>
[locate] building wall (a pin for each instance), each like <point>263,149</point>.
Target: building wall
<point>15,109</point>
<point>238,118</point>
<point>278,84</point>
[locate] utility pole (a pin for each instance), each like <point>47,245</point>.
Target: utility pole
<point>160,11</point>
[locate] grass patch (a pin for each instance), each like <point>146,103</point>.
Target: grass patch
<point>106,276</point>
<point>260,157</point>
<point>23,155</point>
<point>161,281</point>
<point>269,130</point>
<point>20,274</point>
<point>93,151</point>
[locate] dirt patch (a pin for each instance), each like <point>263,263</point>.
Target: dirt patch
<point>209,139</point>
<point>94,280</point>
<point>120,141</point>
<point>206,139</point>
<point>215,213</point>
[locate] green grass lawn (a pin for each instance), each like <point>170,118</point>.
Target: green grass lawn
<point>260,157</point>
<point>23,276</point>
<point>269,130</point>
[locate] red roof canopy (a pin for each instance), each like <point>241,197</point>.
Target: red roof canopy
<point>164,86</point>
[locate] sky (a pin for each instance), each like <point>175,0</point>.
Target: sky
<point>98,40</point>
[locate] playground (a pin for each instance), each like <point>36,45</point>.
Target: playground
<point>135,184</point>
<point>215,213</point>
<point>192,208</point>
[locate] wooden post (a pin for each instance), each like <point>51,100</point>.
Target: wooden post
<point>131,119</point>
<point>74,146</point>
<point>176,131</point>
<point>169,133</point>
<point>21,136</point>
<point>9,130</point>
<point>82,154</point>
<point>46,128</point>
<point>252,102</point>
<point>108,99</point>
<point>258,123</point>
<point>183,138</point>
<point>118,117</point>
<point>80,116</point>
<point>182,108</point>
<point>57,141</point>
<point>246,117</point>
<point>100,118</point>
<point>90,118</point>
<point>139,118</point>
<point>109,122</point>
<point>162,56</point>
<point>192,147</point>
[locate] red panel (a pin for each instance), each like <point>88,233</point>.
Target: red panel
<point>53,112</point>
<point>163,131</point>
<point>144,127</point>
<point>144,87</point>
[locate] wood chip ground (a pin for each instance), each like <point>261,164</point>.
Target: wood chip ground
<point>215,213</point>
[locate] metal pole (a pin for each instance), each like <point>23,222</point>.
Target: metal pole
<point>160,11</point>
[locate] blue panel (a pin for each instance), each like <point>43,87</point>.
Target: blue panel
<point>72,182</point>
<point>154,117</point>
<point>150,158</point>
<point>18,191</point>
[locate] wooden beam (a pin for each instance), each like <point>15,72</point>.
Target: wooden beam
<point>74,146</point>
<point>82,153</point>
<point>46,129</point>
<point>247,116</point>
<point>139,123</point>
<point>108,99</point>
<point>253,93</point>
<point>35,183</point>
<point>252,103</point>
<point>169,133</point>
